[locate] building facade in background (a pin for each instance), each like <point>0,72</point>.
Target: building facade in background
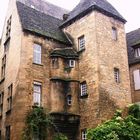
<point>72,63</point>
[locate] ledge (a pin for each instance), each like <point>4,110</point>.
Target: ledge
<point>63,79</point>
<point>38,64</point>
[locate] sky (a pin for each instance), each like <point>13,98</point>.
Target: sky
<point>129,9</point>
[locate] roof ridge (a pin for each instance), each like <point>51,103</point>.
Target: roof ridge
<point>133,31</point>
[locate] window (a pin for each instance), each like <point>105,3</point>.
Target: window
<point>8,28</point>
<point>81,43</point>
<point>84,134</point>
<point>137,52</point>
<point>37,54</point>
<point>7,133</point>
<point>136,75</point>
<point>3,67</point>
<point>114,33</point>
<point>83,89</point>
<point>6,45</point>
<point>69,100</point>
<point>1,103</point>
<point>9,98</point>
<point>71,63</point>
<point>37,93</point>
<point>55,63</point>
<point>116,75</point>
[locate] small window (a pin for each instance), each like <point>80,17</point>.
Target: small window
<point>84,134</point>
<point>81,43</point>
<point>55,63</point>
<point>7,133</point>
<point>136,75</point>
<point>117,75</point>
<point>8,27</point>
<point>6,45</point>
<point>83,89</point>
<point>3,66</point>
<point>114,33</point>
<point>137,52</point>
<point>1,103</point>
<point>37,54</point>
<point>9,98</point>
<point>69,100</point>
<point>37,93</point>
<point>71,63</point>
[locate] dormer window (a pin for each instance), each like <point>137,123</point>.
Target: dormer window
<point>137,52</point>
<point>81,43</point>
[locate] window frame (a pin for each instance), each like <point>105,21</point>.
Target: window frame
<point>83,89</point>
<point>69,100</point>
<point>1,102</point>
<point>137,52</point>
<point>3,67</point>
<point>70,63</point>
<point>114,33</point>
<point>37,54</point>
<point>55,63</point>
<point>136,79</point>
<point>81,43</point>
<point>37,94</point>
<point>8,132</point>
<point>84,134</point>
<point>117,75</point>
<point>9,98</point>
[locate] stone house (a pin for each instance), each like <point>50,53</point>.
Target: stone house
<point>133,43</point>
<point>72,63</point>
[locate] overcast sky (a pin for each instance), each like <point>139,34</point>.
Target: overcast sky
<point>129,9</point>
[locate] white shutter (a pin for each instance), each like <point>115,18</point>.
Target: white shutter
<point>136,74</point>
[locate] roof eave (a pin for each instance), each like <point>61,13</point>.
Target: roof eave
<point>93,7</point>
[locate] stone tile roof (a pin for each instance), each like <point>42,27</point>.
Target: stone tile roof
<point>64,53</point>
<point>133,40</point>
<point>46,7</point>
<point>41,23</point>
<point>87,5</point>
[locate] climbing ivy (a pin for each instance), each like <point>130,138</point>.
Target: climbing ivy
<point>37,124</point>
<point>119,128</point>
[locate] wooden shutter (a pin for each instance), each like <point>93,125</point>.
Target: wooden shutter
<point>136,74</point>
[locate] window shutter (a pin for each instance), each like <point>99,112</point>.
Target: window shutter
<point>136,74</point>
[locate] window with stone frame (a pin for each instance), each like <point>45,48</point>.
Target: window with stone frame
<point>69,100</point>
<point>114,33</point>
<point>84,134</point>
<point>37,93</point>
<point>1,103</point>
<point>71,63</point>
<point>9,98</point>
<point>8,27</point>
<point>7,133</point>
<point>3,66</point>
<point>137,52</point>
<point>81,43</point>
<point>136,76</point>
<point>117,75</point>
<point>55,63</point>
<point>37,54</point>
<point>83,87</point>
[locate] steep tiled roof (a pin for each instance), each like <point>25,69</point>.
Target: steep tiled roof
<point>45,7</point>
<point>133,39</point>
<point>41,23</point>
<point>87,5</point>
<point>65,53</point>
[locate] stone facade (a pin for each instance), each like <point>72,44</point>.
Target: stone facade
<point>95,65</point>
